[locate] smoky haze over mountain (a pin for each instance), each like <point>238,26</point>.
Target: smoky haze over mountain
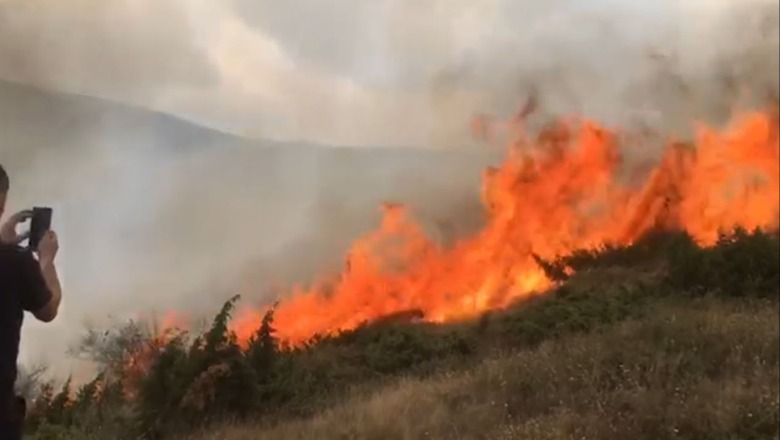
<point>157,213</point>
<point>396,72</point>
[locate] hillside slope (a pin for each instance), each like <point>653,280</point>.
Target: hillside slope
<point>662,339</point>
<point>625,349</point>
<point>142,198</point>
<point>684,371</point>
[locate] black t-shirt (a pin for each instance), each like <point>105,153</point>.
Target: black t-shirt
<point>22,287</point>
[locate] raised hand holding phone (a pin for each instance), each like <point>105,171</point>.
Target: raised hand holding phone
<point>48,246</point>
<point>40,225</point>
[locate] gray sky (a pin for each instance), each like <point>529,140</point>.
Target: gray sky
<point>398,72</point>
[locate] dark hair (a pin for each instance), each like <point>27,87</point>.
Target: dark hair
<point>4,182</point>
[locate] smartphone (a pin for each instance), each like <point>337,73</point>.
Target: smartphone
<point>39,225</point>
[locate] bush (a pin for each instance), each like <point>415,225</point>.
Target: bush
<point>213,379</point>
<point>572,312</point>
<point>649,248</point>
<point>740,264</point>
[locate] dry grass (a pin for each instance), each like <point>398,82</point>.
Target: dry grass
<point>702,371</point>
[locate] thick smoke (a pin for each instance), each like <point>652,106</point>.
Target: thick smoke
<point>396,72</point>
<point>157,214</point>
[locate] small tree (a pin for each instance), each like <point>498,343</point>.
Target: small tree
<point>263,347</point>
<point>58,412</point>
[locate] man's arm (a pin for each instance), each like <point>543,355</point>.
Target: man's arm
<point>35,279</point>
<point>42,294</point>
<point>48,312</point>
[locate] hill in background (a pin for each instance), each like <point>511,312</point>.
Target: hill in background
<point>154,212</point>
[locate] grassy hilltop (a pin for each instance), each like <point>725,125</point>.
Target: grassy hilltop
<point>658,340</point>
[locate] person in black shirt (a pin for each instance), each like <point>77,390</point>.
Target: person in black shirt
<point>27,284</point>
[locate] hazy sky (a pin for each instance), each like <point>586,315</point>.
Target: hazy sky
<point>400,72</point>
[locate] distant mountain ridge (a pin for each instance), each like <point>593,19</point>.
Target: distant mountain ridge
<point>154,211</point>
<point>21,105</point>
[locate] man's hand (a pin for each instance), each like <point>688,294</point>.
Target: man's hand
<point>48,247</point>
<point>8,233</point>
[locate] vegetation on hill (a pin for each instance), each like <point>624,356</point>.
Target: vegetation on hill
<point>659,339</point>
<point>706,369</point>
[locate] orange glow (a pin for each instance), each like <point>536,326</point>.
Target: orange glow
<point>140,357</point>
<point>553,194</point>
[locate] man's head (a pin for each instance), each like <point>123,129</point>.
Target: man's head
<point>4,185</point>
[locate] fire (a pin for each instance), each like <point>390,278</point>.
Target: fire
<point>556,193</point>
<point>141,355</point>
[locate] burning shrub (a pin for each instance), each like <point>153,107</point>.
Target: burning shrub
<point>650,248</point>
<point>211,379</point>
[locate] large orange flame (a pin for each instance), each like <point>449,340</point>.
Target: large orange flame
<point>555,194</point>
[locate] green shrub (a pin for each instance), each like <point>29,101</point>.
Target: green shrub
<point>740,264</point>
<point>649,248</point>
<point>212,379</point>
<point>572,312</point>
